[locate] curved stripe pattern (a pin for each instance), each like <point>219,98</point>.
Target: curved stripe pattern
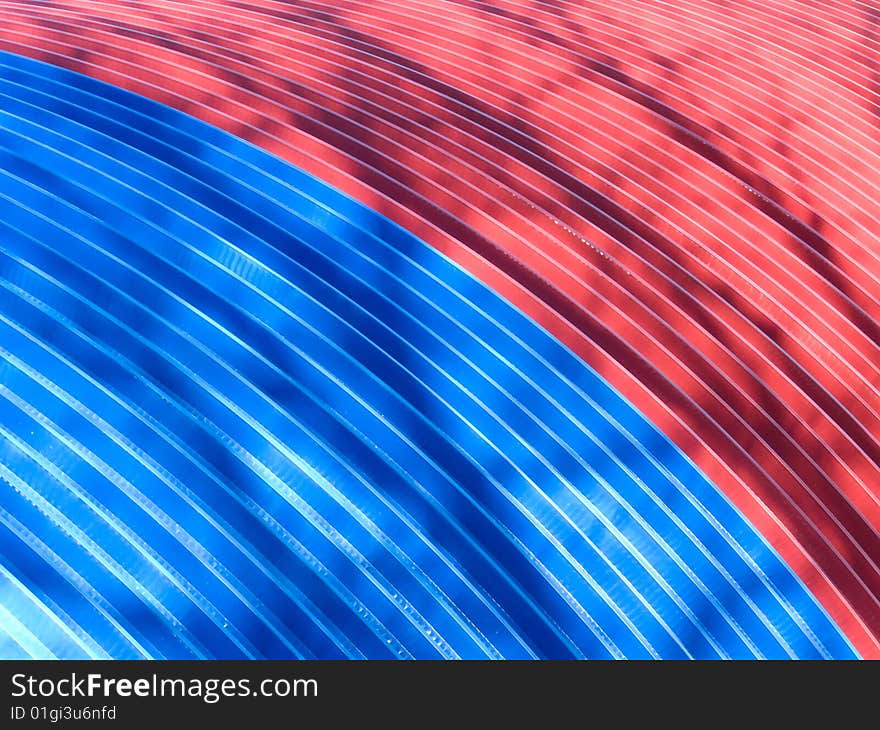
<point>242,415</point>
<point>683,193</point>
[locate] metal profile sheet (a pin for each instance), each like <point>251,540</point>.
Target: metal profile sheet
<point>436,329</point>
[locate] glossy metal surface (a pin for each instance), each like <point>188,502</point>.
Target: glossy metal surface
<point>682,193</point>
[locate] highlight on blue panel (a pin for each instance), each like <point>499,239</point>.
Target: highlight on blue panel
<point>242,415</point>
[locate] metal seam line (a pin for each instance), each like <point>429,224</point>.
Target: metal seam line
<point>722,285</point>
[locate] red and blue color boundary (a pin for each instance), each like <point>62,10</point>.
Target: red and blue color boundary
<point>244,415</point>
